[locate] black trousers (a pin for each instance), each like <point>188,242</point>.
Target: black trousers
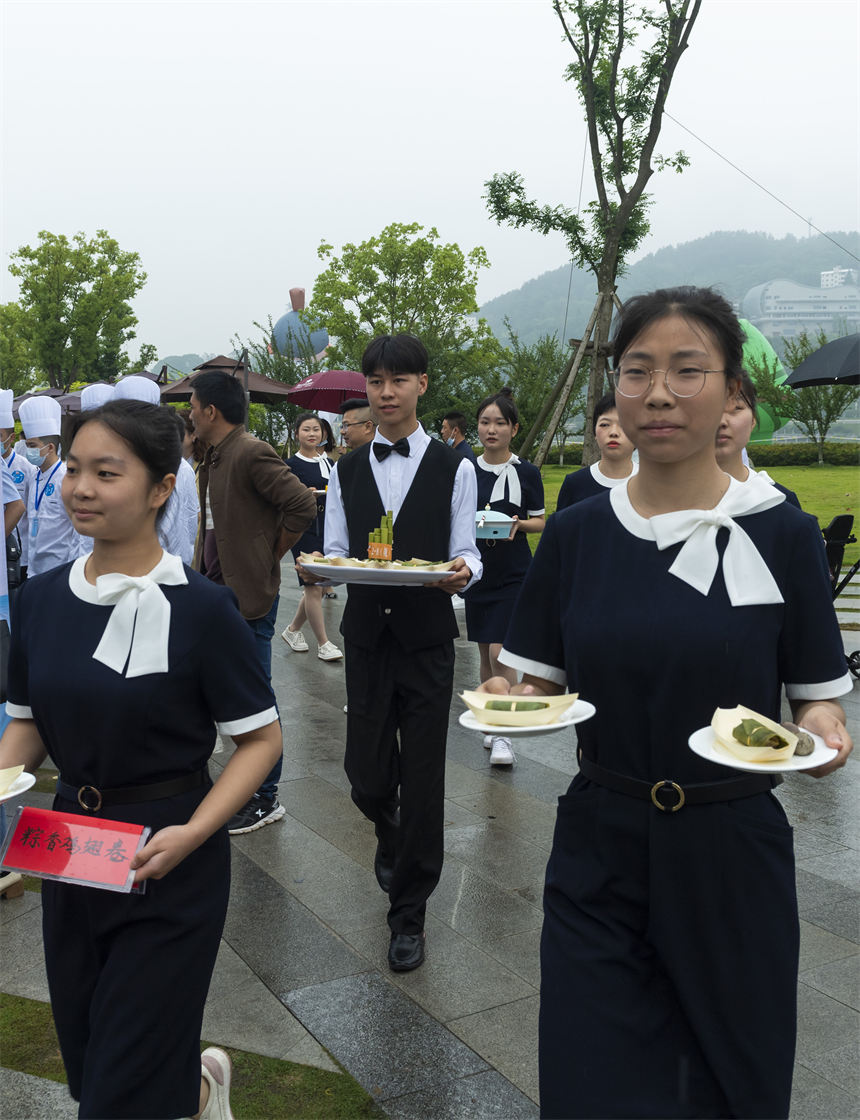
<point>668,959</point>
<point>398,704</point>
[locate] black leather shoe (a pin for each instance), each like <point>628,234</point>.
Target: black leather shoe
<point>406,951</point>
<point>383,867</point>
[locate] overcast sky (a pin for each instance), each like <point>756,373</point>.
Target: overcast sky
<point>224,141</point>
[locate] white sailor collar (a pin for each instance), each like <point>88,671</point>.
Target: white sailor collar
<point>748,579</point>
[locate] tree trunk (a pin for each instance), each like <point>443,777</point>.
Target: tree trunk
<point>567,389</point>
<point>546,408</point>
<point>597,376</point>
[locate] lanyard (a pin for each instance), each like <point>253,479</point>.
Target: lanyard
<point>38,498</point>
<point>11,460</point>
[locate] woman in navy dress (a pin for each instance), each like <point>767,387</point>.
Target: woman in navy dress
<point>311,466</point>
<point>734,433</point>
<point>514,487</point>
<point>670,941</point>
<point>614,465</point>
<point>151,659</point>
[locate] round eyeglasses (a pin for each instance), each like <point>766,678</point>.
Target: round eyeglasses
<point>633,379</point>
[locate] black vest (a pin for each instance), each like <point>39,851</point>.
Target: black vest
<point>417,617</point>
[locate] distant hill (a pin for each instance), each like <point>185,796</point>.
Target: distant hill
<point>180,364</point>
<point>734,262</point>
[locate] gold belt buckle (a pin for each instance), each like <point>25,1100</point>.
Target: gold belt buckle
<point>86,791</point>
<point>666,784</point>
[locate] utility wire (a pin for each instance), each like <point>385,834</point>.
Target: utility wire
<point>761,186</point>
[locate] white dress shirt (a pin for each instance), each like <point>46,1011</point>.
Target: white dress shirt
<point>393,477</point>
<point>177,530</point>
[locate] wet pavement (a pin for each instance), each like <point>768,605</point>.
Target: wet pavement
<point>302,972</point>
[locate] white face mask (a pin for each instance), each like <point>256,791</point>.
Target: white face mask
<point>35,455</point>
<point>450,441</point>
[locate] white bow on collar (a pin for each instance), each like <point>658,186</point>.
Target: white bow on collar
<point>747,577</point>
<point>139,625</point>
<point>505,473</point>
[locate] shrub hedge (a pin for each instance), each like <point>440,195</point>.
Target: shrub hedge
<point>801,454</point>
<point>762,454</point>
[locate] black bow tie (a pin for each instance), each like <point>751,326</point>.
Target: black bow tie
<point>383,450</point>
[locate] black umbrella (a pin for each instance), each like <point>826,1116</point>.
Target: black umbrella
<point>836,363</point>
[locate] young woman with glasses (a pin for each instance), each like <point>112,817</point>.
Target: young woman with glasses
<point>670,941</point>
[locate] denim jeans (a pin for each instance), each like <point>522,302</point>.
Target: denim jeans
<point>264,630</point>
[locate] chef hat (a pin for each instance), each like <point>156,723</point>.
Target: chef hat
<point>95,395</point>
<point>40,417</point>
<point>134,388</point>
<point>7,420</point>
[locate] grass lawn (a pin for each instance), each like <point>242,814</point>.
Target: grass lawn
<point>823,491</point>
<point>262,1087</point>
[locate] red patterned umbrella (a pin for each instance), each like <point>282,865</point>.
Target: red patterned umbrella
<point>327,390</point>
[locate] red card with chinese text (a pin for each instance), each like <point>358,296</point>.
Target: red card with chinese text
<point>70,848</point>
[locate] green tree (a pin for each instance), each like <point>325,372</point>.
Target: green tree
<point>76,295</point>
<point>624,61</point>
<point>816,408</point>
<point>17,369</point>
<point>406,280</point>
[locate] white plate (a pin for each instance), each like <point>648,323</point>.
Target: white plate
<point>576,713</point>
<point>389,577</point>
<point>21,784</point>
<point>704,743</point>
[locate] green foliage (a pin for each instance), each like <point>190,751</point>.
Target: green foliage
<point>148,356</point>
<point>816,408</point>
<point>75,296</point>
<point>17,370</point>
<point>404,280</point>
<point>785,454</point>
<point>531,371</point>
<point>622,90</point>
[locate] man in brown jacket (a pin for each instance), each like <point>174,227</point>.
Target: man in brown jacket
<point>253,509</point>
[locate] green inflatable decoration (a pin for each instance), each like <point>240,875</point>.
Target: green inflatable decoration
<point>758,353</point>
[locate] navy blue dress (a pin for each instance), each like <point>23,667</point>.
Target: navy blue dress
<point>311,474</point>
<point>129,974</point>
<point>491,600</point>
<point>670,941</point>
<point>584,483</point>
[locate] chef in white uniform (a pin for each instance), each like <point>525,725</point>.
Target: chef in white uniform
<point>52,539</point>
<point>177,529</point>
<point>21,471</point>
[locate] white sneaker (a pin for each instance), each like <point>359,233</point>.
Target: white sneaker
<point>329,652</point>
<point>488,742</point>
<point>295,639</point>
<point>501,753</point>
<point>216,1067</point>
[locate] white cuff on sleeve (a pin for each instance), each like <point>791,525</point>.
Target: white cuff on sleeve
<point>533,668</point>
<point>827,690</point>
<point>18,711</point>
<point>249,723</point>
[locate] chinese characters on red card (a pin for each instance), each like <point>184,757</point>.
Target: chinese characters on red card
<point>89,851</point>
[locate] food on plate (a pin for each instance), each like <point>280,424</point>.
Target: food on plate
<point>9,776</point>
<point>518,711</point>
<point>805,742</point>
<point>380,542</point>
<point>515,705</point>
<point>752,737</point>
<point>383,565</point>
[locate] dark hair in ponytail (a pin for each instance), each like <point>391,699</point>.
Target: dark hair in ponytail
<point>504,401</point>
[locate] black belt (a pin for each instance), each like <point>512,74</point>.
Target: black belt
<point>662,793</point>
<point>93,799</point>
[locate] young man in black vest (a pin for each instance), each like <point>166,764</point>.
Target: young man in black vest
<point>398,641</point>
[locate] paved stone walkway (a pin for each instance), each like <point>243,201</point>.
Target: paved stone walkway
<point>302,972</point>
